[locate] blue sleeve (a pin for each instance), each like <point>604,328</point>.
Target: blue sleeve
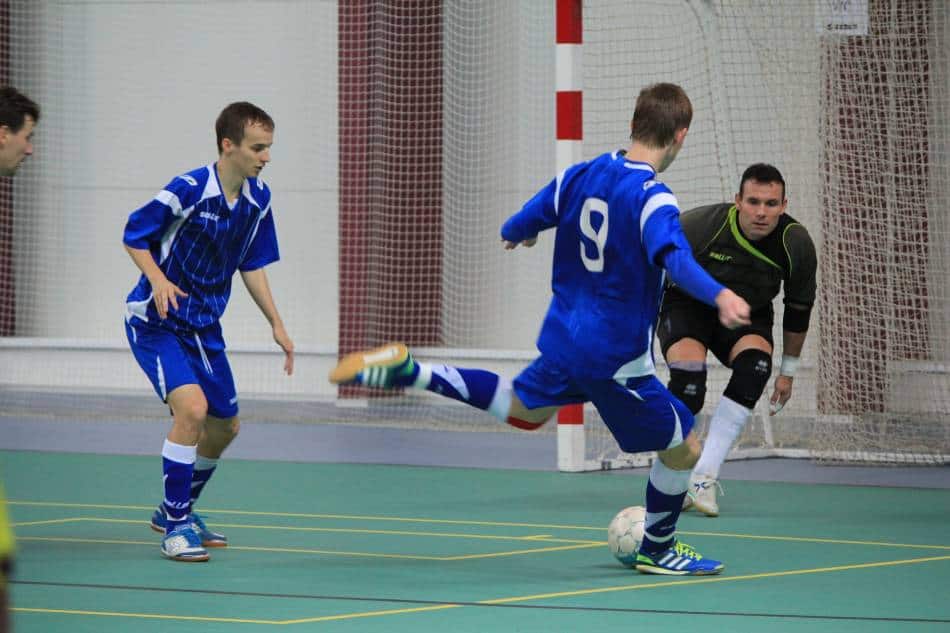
<point>690,276</point>
<point>537,214</point>
<point>263,248</point>
<point>666,245</point>
<point>147,224</point>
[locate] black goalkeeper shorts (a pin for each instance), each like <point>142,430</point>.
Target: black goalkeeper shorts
<point>684,317</point>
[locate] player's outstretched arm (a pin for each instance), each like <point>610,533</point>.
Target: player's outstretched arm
<point>259,289</point>
<point>537,214</point>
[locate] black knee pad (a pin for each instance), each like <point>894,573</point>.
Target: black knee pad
<point>750,375</point>
<point>689,386</point>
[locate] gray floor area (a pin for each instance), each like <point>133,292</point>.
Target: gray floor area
<point>323,432</point>
<point>394,445</point>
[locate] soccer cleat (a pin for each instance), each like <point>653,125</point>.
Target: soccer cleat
<point>388,366</point>
<point>184,544</point>
<point>702,494</point>
<point>679,560</point>
<point>208,538</point>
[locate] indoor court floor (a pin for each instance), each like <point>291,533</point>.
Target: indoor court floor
<point>323,545</point>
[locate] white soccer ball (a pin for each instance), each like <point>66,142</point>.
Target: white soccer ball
<point>625,534</point>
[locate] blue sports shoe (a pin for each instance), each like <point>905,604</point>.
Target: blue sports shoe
<point>184,544</point>
<point>679,560</point>
<point>208,538</point>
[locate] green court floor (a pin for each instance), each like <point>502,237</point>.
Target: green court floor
<point>366,548</point>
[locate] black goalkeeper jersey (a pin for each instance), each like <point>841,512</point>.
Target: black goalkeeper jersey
<point>754,270</point>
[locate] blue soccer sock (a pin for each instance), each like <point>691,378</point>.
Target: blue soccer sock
<point>204,468</point>
<point>178,464</point>
<point>482,389</point>
<point>665,492</point>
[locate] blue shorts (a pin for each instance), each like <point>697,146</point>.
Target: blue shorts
<point>171,361</point>
<point>641,413</point>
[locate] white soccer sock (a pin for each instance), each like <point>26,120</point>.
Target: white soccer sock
<point>424,377</point>
<point>724,429</point>
<point>501,401</point>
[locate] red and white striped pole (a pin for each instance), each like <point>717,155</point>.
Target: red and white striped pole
<point>569,127</point>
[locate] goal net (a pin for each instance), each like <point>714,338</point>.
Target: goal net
<point>850,103</point>
<point>407,133</point>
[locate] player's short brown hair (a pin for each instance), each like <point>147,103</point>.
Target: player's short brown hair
<point>235,117</point>
<point>661,110</point>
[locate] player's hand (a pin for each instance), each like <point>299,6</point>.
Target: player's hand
<point>733,309</point>
<point>528,243</point>
<point>166,293</point>
<point>283,339</point>
<point>781,394</point>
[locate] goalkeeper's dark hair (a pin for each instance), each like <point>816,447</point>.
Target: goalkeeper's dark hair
<point>661,110</point>
<point>764,173</point>
<point>15,107</point>
<point>235,117</point>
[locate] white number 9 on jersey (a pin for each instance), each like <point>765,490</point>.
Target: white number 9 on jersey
<point>598,237</point>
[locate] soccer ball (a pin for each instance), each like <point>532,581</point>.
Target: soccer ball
<point>625,534</point>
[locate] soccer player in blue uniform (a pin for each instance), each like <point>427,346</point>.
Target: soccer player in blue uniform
<point>188,241</point>
<point>18,117</point>
<point>617,231</point>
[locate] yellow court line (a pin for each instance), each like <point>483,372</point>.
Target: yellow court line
<point>247,548</point>
<point>481,523</point>
<point>539,550</point>
<point>370,614</point>
<point>303,550</point>
<point>73,539</point>
<point>514,599</point>
<point>150,616</point>
<point>49,522</point>
<point>717,579</point>
<point>246,526</point>
<point>304,515</point>
<point>810,539</point>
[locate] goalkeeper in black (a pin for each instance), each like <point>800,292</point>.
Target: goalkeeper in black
<point>754,248</point>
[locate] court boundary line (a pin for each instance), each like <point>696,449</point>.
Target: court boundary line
<point>356,517</point>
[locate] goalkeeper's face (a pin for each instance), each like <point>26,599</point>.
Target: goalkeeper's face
<point>253,153</point>
<point>759,206</point>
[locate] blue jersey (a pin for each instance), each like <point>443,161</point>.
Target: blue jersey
<point>199,241</point>
<point>615,223</point>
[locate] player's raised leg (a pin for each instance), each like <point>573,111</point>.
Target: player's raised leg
<point>392,366</point>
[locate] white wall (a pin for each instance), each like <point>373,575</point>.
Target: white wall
<point>130,92</point>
